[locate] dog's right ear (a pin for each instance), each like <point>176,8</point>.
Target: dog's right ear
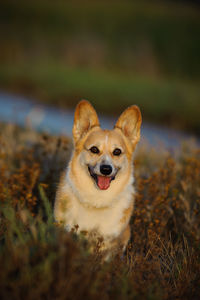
<point>85,118</point>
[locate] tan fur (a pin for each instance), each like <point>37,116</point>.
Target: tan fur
<point>125,236</point>
<point>127,214</point>
<point>79,201</point>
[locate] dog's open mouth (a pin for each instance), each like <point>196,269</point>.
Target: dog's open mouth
<point>103,182</point>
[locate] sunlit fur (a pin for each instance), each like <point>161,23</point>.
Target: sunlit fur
<point>79,201</point>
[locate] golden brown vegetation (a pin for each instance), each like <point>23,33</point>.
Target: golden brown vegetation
<point>38,260</point>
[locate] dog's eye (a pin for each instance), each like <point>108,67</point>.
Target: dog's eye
<point>94,150</point>
<point>117,152</point>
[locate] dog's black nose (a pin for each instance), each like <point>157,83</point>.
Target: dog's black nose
<point>106,169</point>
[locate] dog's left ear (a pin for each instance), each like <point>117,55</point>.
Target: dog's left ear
<point>85,118</point>
<point>130,122</point>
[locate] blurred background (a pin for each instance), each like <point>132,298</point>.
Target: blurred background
<point>113,53</point>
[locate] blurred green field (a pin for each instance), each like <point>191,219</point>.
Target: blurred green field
<point>167,102</point>
<point>114,54</point>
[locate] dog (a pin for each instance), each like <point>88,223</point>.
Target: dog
<point>96,193</point>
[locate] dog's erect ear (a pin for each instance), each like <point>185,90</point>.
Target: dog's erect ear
<point>130,122</point>
<point>85,118</point>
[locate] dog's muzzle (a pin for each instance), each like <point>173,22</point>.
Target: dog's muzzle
<point>103,181</point>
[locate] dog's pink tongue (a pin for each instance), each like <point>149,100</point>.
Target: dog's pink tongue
<point>103,182</point>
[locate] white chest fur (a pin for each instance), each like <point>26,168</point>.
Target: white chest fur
<point>106,221</point>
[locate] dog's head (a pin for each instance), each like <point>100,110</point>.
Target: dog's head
<point>105,155</point>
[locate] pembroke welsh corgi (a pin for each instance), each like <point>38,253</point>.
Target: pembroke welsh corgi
<point>96,193</point>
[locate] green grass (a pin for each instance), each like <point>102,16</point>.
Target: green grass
<point>171,102</point>
<point>170,32</point>
<point>115,54</point>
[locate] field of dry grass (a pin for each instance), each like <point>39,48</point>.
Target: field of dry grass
<point>41,261</point>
